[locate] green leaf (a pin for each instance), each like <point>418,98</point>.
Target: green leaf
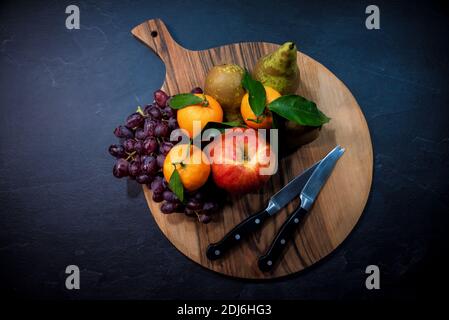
<point>256,92</point>
<point>175,185</point>
<point>182,100</point>
<point>299,110</point>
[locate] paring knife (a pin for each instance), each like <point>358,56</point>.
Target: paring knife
<point>308,195</point>
<point>254,222</point>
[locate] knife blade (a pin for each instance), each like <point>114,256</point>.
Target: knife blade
<point>307,196</point>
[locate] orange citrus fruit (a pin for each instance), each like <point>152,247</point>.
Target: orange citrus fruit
<point>211,112</point>
<point>190,163</point>
<point>265,120</point>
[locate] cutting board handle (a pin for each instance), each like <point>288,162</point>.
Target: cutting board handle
<point>155,34</point>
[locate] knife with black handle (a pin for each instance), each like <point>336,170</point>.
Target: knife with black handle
<point>307,197</point>
<point>237,234</point>
<point>283,237</point>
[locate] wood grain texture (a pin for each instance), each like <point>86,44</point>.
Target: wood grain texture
<point>341,201</point>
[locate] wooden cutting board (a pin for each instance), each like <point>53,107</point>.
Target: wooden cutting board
<point>342,199</point>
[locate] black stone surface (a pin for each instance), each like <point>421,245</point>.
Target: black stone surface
<point>63,92</point>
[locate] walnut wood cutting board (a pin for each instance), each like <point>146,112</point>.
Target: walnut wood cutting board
<point>342,199</point>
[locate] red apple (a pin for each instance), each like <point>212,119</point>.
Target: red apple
<point>241,161</point>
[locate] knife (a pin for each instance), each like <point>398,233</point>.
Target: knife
<point>254,222</point>
<point>308,196</point>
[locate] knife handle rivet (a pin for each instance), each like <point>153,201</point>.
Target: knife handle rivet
<point>269,262</point>
<point>257,221</point>
<point>282,241</point>
<point>237,237</point>
<point>217,252</point>
<point>296,220</point>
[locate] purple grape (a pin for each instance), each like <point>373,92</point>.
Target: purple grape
<point>168,112</point>
<point>157,197</point>
<point>138,146</point>
<point>134,120</point>
<point>157,185</point>
<point>172,124</point>
<point>129,145</point>
<point>143,157</point>
<point>160,160</point>
<point>161,130</point>
<point>117,151</point>
<point>155,113</point>
<point>164,183</point>
<point>197,90</point>
<point>194,204</point>
<point>165,148</point>
<point>120,169</point>
<point>140,134</point>
<point>189,212</point>
<point>123,132</point>
<point>204,218</point>
<point>149,165</point>
<point>149,127</point>
<point>143,179</point>
<point>150,145</point>
<point>161,98</point>
<point>134,168</point>
<point>210,207</point>
<point>168,207</point>
<point>148,106</point>
<point>169,196</point>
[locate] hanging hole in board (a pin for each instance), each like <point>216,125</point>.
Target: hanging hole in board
<point>154,34</point>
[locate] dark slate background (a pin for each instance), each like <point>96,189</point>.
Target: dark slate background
<point>63,91</point>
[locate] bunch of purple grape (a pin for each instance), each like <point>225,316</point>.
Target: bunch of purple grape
<point>196,204</point>
<point>145,141</point>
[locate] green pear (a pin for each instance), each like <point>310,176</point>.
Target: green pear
<point>279,69</point>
